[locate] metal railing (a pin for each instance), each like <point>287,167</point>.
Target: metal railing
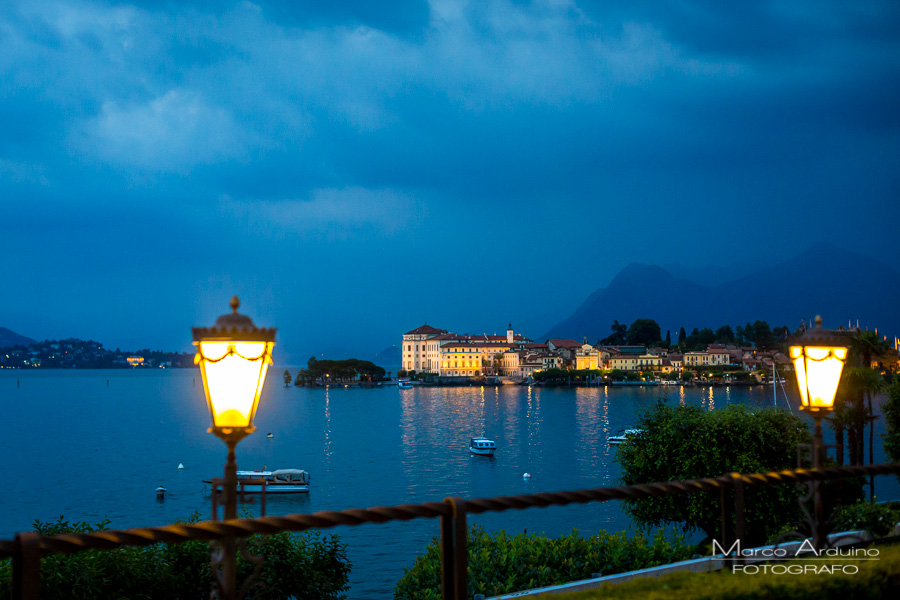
<point>27,548</point>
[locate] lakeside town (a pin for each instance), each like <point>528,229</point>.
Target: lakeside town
<point>438,356</point>
<point>72,353</point>
<point>749,354</point>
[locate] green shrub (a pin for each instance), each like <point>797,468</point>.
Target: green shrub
<point>690,442</point>
<point>304,566</point>
<point>891,412</point>
<point>501,564</point>
<point>877,519</point>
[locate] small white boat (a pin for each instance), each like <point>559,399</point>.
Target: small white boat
<point>282,481</point>
<point>404,385</point>
<point>622,436</point>
<point>482,446</point>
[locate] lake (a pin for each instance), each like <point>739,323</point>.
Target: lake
<point>91,445</point>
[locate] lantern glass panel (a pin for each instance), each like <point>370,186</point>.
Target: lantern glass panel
<point>234,374</point>
<point>818,373</point>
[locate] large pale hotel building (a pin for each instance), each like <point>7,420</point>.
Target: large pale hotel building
<point>427,349</point>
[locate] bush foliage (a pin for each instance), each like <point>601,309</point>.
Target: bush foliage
<point>891,411</point>
<point>878,519</point>
<point>502,563</point>
<point>689,442</point>
<point>304,566</point>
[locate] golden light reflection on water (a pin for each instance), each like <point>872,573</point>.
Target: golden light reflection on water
<point>328,450</point>
<point>511,408</point>
<point>681,398</point>
<point>709,399</point>
<point>605,419</point>
<point>590,440</point>
<point>533,420</point>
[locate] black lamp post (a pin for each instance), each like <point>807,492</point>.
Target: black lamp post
<point>818,355</point>
<point>233,356</point>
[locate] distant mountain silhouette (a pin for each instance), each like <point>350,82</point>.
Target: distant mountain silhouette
<point>826,280</point>
<point>715,274</point>
<point>390,356</point>
<point>11,338</point>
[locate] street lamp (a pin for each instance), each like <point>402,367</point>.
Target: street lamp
<point>818,355</point>
<point>233,356</point>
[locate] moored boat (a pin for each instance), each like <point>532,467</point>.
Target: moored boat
<point>622,436</point>
<point>281,481</point>
<point>404,385</point>
<point>482,446</point>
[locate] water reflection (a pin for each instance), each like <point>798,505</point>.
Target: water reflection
<point>327,431</point>
<point>276,504</point>
<point>590,432</point>
<point>708,399</point>
<point>604,420</point>
<point>533,420</point>
<point>511,409</point>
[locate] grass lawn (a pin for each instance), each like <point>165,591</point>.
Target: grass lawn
<point>874,579</point>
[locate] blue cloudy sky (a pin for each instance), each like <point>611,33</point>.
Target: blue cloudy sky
<point>352,169</point>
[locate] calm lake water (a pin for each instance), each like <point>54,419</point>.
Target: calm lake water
<point>91,445</point>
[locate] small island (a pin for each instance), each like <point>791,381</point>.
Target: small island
<point>327,372</point>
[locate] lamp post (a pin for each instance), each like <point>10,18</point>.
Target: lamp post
<point>818,355</point>
<point>233,356</point>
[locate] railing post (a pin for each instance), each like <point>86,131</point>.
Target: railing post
<point>447,556</point>
<point>454,551</point>
<point>738,507</point>
<point>262,501</point>
<point>726,522</point>
<point>26,564</point>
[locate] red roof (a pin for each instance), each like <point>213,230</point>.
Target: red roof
<point>476,345</point>
<point>565,343</point>
<point>425,329</point>
<point>445,336</point>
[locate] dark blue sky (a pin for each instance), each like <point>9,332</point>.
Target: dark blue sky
<point>354,170</point>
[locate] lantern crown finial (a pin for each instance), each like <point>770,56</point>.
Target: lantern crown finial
<point>819,336</point>
<point>234,326</point>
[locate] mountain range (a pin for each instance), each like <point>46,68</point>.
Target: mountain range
<point>840,285</point>
<point>9,339</point>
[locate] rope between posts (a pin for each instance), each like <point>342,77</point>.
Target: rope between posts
<point>214,530</point>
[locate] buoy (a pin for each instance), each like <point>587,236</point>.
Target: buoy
<point>526,476</point>
<point>160,493</point>
<point>270,436</point>
<point>180,466</point>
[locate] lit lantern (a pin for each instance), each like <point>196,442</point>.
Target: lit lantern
<point>818,356</point>
<point>233,356</point>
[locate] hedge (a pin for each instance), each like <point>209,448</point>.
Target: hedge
<point>501,563</point>
<point>306,566</point>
